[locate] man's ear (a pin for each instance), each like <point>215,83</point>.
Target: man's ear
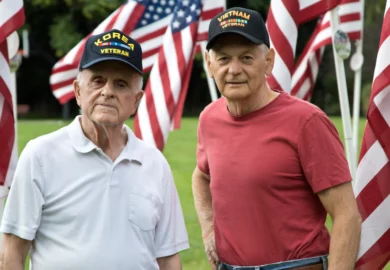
<point>269,61</point>
<point>207,56</point>
<point>76,90</point>
<point>138,97</point>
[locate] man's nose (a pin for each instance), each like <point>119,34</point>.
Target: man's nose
<point>235,67</point>
<point>108,90</point>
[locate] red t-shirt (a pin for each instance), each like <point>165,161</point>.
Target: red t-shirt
<point>265,170</point>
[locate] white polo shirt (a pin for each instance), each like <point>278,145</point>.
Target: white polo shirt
<point>84,211</point>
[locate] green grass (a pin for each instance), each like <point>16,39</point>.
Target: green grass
<point>180,153</point>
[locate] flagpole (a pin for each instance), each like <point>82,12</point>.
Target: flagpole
<point>343,95</point>
<point>357,84</point>
<point>210,81</point>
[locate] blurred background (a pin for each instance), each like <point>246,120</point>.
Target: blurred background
<point>57,26</point>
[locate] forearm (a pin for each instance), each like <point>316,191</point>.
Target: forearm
<point>14,252</point>
<point>344,243</point>
<point>9,262</point>
<point>170,262</point>
<point>203,203</point>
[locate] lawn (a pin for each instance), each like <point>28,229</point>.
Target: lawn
<point>180,152</point>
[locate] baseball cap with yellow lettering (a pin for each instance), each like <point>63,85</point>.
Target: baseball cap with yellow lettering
<point>112,45</point>
<point>245,22</point>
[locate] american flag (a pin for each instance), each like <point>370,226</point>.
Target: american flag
<point>306,70</point>
<point>11,18</point>
<point>169,76</point>
<point>372,188</point>
<point>284,17</point>
<point>145,21</point>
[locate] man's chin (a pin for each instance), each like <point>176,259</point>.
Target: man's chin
<point>105,120</point>
<point>235,95</point>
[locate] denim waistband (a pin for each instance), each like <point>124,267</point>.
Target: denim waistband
<point>280,265</point>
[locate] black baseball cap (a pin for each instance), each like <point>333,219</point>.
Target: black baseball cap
<point>112,45</point>
<point>245,22</point>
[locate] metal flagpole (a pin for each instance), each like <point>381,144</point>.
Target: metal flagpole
<point>210,81</point>
<point>341,50</point>
<point>356,65</point>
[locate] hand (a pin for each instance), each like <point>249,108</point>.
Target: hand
<point>209,244</point>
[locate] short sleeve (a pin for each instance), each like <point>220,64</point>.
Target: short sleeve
<point>171,234</point>
<point>23,209</point>
<point>322,154</point>
<point>201,155</point>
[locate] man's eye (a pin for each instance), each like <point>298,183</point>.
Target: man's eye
<point>247,57</point>
<point>222,59</point>
<point>121,84</point>
<point>97,81</point>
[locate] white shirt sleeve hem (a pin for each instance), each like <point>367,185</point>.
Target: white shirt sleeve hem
<point>172,249</point>
<point>15,230</point>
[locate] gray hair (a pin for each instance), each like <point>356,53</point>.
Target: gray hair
<point>78,78</point>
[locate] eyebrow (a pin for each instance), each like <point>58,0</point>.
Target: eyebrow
<point>219,53</point>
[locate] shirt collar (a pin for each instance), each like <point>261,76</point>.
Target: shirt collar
<point>132,151</point>
<point>80,142</point>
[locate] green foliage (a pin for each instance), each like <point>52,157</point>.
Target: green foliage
<point>373,9</point>
<point>70,21</point>
<point>259,5</point>
<point>63,27</point>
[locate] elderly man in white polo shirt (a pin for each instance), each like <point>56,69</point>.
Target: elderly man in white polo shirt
<point>92,196</point>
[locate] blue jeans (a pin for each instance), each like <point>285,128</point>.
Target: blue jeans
<point>281,265</point>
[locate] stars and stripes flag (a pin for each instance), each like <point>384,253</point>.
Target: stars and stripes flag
<point>169,76</point>
<point>307,67</point>
<point>11,18</point>
<point>283,20</point>
<point>146,21</point>
<point>372,187</point>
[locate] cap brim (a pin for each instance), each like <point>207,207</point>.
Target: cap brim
<point>245,35</point>
<point>111,58</point>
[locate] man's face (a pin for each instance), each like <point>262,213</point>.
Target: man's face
<point>239,66</point>
<point>109,92</point>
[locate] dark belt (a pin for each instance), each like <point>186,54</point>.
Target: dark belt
<point>317,266</point>
<point>315,263</point>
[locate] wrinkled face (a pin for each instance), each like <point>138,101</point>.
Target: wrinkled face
<point>109,92</point>
<point>239,66</point>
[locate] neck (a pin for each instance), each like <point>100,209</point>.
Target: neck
<point>111,139</point>
<point>254,102</point>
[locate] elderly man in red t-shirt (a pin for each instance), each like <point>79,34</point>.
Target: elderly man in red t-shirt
<point>269,166</point>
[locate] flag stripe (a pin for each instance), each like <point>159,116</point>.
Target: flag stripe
<point>165,88</point>
<point>303,80</point>
<point>378,185</point>
<point>11,17</point>
<point>281,17</point>
<point>284,17</point>
<point>7,122</point>
<point>126,18</point>
<point>375,226</point>
<point>371,259</point>
<point>7,137</point>
<point>157,108</point>
<point>372,185</point>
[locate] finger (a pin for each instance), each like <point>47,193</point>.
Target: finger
<point>213,254</point>
<point>214,266</point>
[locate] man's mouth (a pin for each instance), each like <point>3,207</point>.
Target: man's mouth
<point>107,105</point>
<point>235,82</point>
